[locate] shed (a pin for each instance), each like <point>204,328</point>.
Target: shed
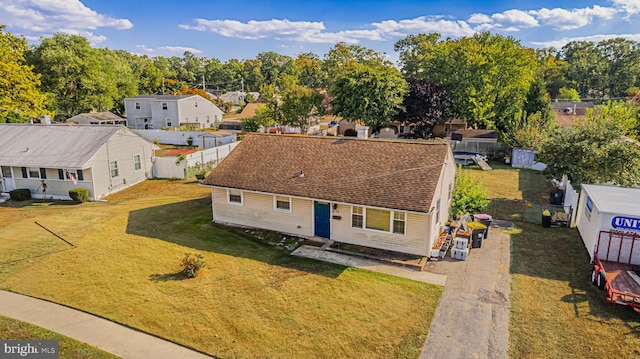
<point>607,208</point>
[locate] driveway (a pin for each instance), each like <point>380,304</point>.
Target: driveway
<point>472,319</point>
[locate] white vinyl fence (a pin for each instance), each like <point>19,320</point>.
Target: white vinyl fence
<point>200,139</point>
<point>197,162</point>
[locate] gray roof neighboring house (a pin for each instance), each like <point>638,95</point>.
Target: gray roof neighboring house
<point>97,117</point>
<point>61,146</point>
<point>160,97</point>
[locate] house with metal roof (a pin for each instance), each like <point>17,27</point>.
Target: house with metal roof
<point>154,112</point>
<point>103,159</point>
<point>391,195</point>
<point>97,118</point>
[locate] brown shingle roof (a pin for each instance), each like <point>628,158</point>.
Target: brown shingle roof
<point>249,110</point>
<point>387,174</point>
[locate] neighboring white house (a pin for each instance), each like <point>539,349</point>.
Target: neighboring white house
<point>392,195</point>
<point>104,159</point>
<point>153,112</point>
<point>98,118</point>
<point>237,97</point>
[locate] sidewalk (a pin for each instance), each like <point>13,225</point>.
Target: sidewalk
<point>368,264</point>
<point>104,334</point>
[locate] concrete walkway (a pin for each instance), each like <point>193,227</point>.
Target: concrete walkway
<point>368,264</point>
<point>105,335</point>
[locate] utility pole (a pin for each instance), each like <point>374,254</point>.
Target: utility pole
<point>163,85</point>
<point>203,87</point>
<point>242,82</point>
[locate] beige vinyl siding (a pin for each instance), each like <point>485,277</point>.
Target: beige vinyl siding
<point>415,240</point>
<point>447,176</point>
<point>257,210</point>
<point>121,147</point>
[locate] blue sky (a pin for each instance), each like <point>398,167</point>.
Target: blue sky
<point>242,29</point>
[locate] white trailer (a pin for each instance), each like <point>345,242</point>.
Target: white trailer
<point>607,208</point>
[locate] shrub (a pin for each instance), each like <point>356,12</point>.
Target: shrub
<point>156,141</point>
<point>191,265</point>
<point>468,195</point>
<point>20,194</point>
<point>79,194</point>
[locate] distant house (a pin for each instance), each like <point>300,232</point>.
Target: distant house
<point>567,112</point>
<point>444,129</point>
<point>391,195</point>
<point>98,118</point>
<point>104,159</point>
<point>148,112</point>
<point>238,97</point>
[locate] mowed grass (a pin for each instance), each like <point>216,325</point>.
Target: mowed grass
<point>251,300</point>
<point>555,310</point>
<point>11,329</point>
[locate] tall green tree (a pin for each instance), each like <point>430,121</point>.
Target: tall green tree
<point>72,73</point>
<point>372,94</point>
<point>425,105</point>
<point>309,69</point>
<point>488,75</point>
<point>341,56</point>
<point>553,70</point>
<point>537,100</point>
<point>301,106</point>
<point>20,98</point>
<point>586,67</point>
<point>593,152</point>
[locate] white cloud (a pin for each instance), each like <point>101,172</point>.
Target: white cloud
<point>43,17</point>
<point>514,19</point>
<point>423,24</point>
<point>562,19</point>
<point>559,43</point>
<point>253,29</point>
<point>167,50</point>
<point>479,19</point>
<point>631,7</point>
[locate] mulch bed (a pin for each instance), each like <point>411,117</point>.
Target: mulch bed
<point>408,260</point>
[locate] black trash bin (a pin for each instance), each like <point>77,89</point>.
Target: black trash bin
<point>546,220</point>
<point>556,197</point>
<point>478,231</point>
<point>485,219</point>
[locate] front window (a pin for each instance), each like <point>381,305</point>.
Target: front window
<point>137,105</point>
<point>164,105</point>
<point>356,217</point>
<point>113,165</point>
<point>168,123</point>
<point>34,172</point>
<point>398,222</point>
<point>137,165</point>
<point>234,196</point>
<point>283,203</point>
<point>378,219</point>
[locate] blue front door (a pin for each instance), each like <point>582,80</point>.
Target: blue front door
<point>322,213</point>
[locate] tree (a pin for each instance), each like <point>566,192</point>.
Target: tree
<point>300,106</point>
<point>527,131</point>
<point>342,56</point>
<point>537,100</point>
<point>20,98</point>
<point>468,195</point>
<point>552,70</point>
<point>568,94</point>
<point>372,94</point>
<point>586,67</point>
<point>77,77</point>
<point>425,105</point>
<point>593,152</point>
<point>488,75</point>
<point>309,68</point>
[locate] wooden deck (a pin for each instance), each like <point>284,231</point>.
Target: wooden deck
<point>619,279</point>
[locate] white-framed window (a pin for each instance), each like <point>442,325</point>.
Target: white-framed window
<point>164,105</point>
<point>196,104</point>
<point>281,203</point>
<point>137,164</point>
<point>399,222</point>
<point>34,172</point>
<point>438,211</point>
<point>113,166</point>
<point>168,122</point>
<point>137,105</point>
<point>377,219</point>
<point>357,217</point>
<point>207,118</point>
<point>450,190</point>
<point>234,196</point>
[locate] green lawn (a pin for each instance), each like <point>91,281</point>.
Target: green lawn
<point>11,329</point>
<point>251,300</point>
<point>555,311</point>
